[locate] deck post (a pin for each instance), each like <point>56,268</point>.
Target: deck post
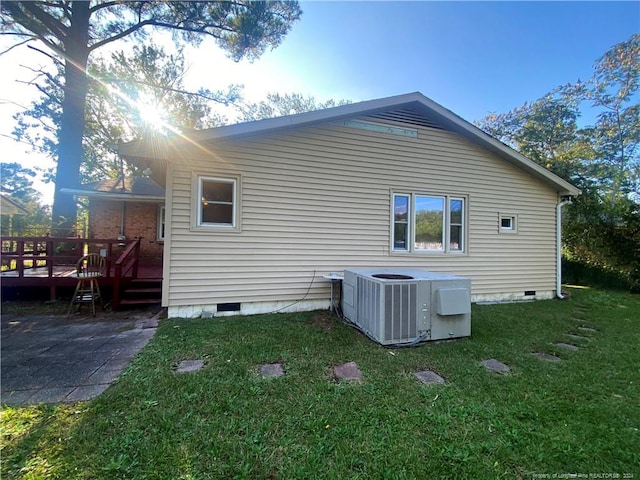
<point>20,259</point>
<point>50,253</point>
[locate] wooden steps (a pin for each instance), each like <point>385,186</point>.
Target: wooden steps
<point>142,292</point>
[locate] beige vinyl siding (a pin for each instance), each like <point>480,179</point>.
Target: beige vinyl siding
<point>317,199</point>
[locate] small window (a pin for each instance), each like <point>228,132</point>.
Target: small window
<point>161,221</point>
<point>508,223</point>
<point>217,199</point>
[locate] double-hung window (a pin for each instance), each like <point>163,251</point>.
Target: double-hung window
<point>217,202</point>
<point>428,223</point>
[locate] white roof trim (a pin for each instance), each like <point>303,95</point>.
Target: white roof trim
<point>417,100</point>
<point>113,196</point>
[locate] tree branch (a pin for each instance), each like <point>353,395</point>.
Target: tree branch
<point>31,38</point>
<point>57,28</point>
<point>189,93</point>
<point>120,35</point>
<point>41,73</point>
<point>54,59</point>
<point>100,6</point>
<point>155,23</point>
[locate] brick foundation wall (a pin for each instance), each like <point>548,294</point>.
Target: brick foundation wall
<point>141,220</point>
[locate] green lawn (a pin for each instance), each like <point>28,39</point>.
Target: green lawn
<point>581,415</point>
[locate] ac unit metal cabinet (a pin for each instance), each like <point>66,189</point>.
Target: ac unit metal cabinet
<point>395,306</point>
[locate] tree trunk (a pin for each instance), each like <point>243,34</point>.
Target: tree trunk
<point>71,132</point>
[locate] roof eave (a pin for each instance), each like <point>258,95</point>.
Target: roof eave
<point>114,196</point>
<point>443,115</point>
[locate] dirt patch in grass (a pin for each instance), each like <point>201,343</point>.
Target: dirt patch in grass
<point>323,321</point>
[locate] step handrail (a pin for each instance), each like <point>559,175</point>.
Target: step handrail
<point>127,263</point>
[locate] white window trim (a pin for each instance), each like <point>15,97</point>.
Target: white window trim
<point>162,209</point>
<point>411,250</point>
<point>514,223</point>
<point>196,216</point>
<point>463,224</point>
<point>393,222</point>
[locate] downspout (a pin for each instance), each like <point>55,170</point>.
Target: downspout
<point>564,201</point>
<point>122,237</point>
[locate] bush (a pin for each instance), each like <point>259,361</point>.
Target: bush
<point>582,273</point>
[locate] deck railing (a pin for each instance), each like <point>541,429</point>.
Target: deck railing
<point>126,269</point>
<point>28,261</point>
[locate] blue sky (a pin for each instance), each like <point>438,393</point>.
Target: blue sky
<point>472,57</point>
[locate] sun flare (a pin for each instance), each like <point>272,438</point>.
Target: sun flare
<point>154,116</point>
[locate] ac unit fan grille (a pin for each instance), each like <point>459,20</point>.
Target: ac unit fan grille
<point>400,312</point>
<point>388,313</point>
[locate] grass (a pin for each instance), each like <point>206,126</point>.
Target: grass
<point>581,415</point>
<point>34,307</point>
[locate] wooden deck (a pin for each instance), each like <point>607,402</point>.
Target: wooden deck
<point>50,262</point>
<point>66,271</point>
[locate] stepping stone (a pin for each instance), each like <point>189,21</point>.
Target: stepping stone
<point>587,329</point>
<point>347,371</point>
<point>270,370</point>
<point>576,337</point>
<point>546,357</point>
<point>428,377</point>
<point>187,366</point>
<point>568,346</point>
<point>494,365</point>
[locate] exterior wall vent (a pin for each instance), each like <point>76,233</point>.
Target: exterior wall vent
<point>228,307</point>
<point>407,306</point>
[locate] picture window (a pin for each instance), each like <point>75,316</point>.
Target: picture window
<point>428,223</point>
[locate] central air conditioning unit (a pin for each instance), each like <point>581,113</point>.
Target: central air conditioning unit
<point>397,306</point>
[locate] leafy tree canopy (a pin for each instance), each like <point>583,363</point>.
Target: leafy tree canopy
<point>69,32</point>
<point>602,226</point>
<point>17,184</point>
<point>278,105</point>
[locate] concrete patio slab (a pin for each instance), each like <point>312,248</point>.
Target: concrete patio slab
<point>53,359</point>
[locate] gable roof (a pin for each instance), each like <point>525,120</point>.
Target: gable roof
<point>121,188</point>
<point>411,107</point>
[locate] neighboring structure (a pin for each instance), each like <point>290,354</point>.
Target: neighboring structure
<point>126,208</point>
<point>10,208</point>
<point>258,212</point>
